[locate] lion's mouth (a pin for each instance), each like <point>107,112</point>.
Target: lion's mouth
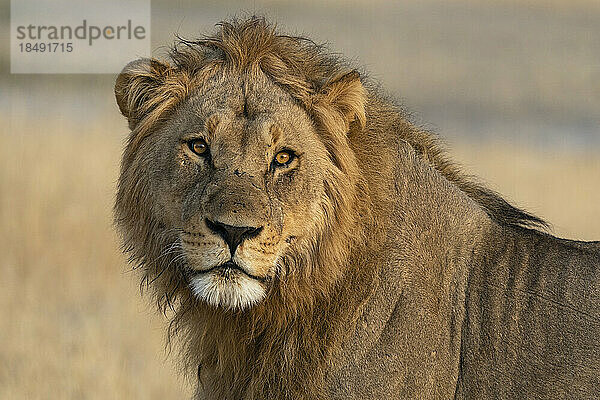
<point>229,270</point>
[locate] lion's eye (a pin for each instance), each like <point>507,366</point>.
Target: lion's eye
<point>283,158</point>
<point>198,146</point>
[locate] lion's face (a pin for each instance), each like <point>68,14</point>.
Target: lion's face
<point>238,172</point>
<point>238,182</point>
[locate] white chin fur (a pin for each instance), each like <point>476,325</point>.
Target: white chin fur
<point>235,293</point>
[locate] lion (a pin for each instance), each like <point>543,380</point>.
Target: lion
<point>308,242</point>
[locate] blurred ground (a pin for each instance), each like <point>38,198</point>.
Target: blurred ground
<point>72,324</point>
<point>513,87</point>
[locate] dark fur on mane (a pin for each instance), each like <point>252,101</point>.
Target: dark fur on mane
<point>303,67</point>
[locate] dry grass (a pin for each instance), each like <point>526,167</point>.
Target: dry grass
<point>72,325</point>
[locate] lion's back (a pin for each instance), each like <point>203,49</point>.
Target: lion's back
<point>533,321</point>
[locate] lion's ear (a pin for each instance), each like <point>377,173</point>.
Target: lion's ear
<point>346,96</point>
<point>138,88</point>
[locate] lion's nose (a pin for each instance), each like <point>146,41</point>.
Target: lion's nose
<point>232,235</point>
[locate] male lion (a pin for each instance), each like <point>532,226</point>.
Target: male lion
<point>313,244</point>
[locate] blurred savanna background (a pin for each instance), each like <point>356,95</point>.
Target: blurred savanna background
<point>513,87</point>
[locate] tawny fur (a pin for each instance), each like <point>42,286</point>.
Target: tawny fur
<point>288,345</point>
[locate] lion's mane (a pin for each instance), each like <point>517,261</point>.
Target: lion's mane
<point>280,343</point>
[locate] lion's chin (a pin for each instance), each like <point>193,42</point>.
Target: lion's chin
<point>232,290</point>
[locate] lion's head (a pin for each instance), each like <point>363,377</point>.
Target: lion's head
<point>238,181</point>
